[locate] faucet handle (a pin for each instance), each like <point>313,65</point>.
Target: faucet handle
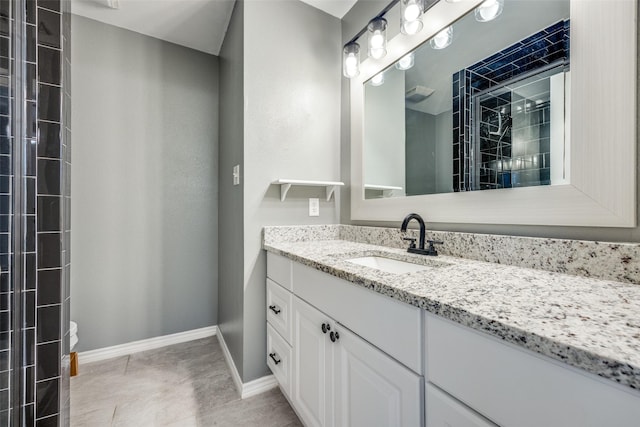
<point>431,250</point>
<point>412,245</point>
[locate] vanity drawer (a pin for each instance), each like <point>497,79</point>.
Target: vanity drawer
<point>279,302</point>
<point>279,359</point>
<point>279,269</point>
<point>442,410</point>
<point>392,326</point>
<point>516,387</point>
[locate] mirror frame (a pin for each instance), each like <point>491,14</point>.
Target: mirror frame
<point>602,189</point>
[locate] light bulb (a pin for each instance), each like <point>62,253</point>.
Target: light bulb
<point>489,10</point>
<point>377,80</point>
<point>442,39</point>
<point>377,41</point>
<point>412,27</point>
<point>377,30</point>
<point>351,60</point>
<point>412,12</point>
<point>406,62</point>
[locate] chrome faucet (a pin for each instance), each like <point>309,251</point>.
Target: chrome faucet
<point>431,250</point>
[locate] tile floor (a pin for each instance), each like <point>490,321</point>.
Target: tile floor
<point>182,385</point>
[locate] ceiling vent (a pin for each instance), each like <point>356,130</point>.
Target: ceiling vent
<point>418,94</point>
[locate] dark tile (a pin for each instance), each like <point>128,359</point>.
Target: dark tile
<point>30,195</point>
<point>4,47</point>
<point>5,303</point>
<point>4,415</point>
<point>49,28</point>
<point>31,43</point>
<point>48,365</point>
<point>4,399</point>
<point>5,165</point>
<point>50,4</point>
<point>48,327</point>
<point>4,380</point>
<point>5,187</point>
<point>32,82</point>
<point>49,65</point>
<point>48,422</point>
<point>49,287</point>
<point>29,309</point>
<point>49,255</point>
<point>5,360</point>
<point>49,140</point>
<point>31,11</point>
<point>49,100</point>
<point>5,284</point>
<point>29,382</point>
<point>5,18</point>
<point>5,142</point>
<point>32,120</point>
<point>30,238</point>
<point>47,399</point>
<point>49,177</point>
<point>29,347</point>
<point>30,149</point>
<point>30,271</point>
<point>49,213</point>
<point>28,414</point>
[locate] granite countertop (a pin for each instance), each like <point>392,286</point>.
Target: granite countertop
<point>587,323</point>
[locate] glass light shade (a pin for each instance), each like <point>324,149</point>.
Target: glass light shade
<point>411,16</point>
<point>377,80</point>
<point>406,62</point>
<point>377,30</point>
<point>442,39</point>
<point>489,10</point>
<point>351,60</point>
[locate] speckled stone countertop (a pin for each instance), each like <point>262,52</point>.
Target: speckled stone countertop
<point>588,323</point>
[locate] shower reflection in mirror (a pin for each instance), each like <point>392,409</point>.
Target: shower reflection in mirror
<point>482,105</point>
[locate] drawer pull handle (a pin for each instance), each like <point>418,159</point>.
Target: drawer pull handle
<point>326,328</point>
<point>273,356</point>
<point>335,336</point>
<point>274,308</point>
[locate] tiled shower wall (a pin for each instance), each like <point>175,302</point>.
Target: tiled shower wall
<point>44,181</point>
<point>548,46</point>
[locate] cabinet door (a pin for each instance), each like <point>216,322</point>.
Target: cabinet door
<point>371,388</point>
<point>312,366</point>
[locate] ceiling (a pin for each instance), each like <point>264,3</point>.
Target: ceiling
<point>197,24</point>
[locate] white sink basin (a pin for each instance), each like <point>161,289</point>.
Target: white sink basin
<point>389,265</point>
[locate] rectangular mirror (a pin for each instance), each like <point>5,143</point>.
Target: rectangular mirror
<point>467,105</point>
<point>480,106</point>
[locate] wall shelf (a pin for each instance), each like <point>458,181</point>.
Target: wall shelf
<point>286,184</point>
<point>387,190</point>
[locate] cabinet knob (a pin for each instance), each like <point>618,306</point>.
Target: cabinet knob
<point>334,336</point>
<point>325,328</point>
<point>273,356</point>
<point>274,308</point>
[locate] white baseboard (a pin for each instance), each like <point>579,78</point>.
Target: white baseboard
<point>251,388</point>
<point>143,345</point>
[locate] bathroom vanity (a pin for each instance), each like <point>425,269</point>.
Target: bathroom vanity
<point>459,342</point>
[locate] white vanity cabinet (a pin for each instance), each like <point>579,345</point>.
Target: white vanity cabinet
<point>512,386</point>
<point>338,378</point>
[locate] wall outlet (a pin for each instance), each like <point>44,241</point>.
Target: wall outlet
<point>314,207</point>
<point>236,175</point>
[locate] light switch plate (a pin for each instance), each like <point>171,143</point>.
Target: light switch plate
<point>236,175</point>
<point>314,207</point>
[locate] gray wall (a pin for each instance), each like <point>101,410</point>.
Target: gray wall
<point>144,213</point>
<point>356,19</point>
<point>292,130</point>
<point>231,231</point>
<point>421,152</point>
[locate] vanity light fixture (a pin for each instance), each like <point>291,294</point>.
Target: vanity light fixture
<point>442,39</point>
<point>489,10</point>
<point>377,30</point>
<point>351,60</point>
<point>406,61</point>
<point>378,79</point>
<point>411,16</point>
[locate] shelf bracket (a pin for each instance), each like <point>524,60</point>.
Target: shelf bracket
<point>330,190</point>
<point>284,189</point>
